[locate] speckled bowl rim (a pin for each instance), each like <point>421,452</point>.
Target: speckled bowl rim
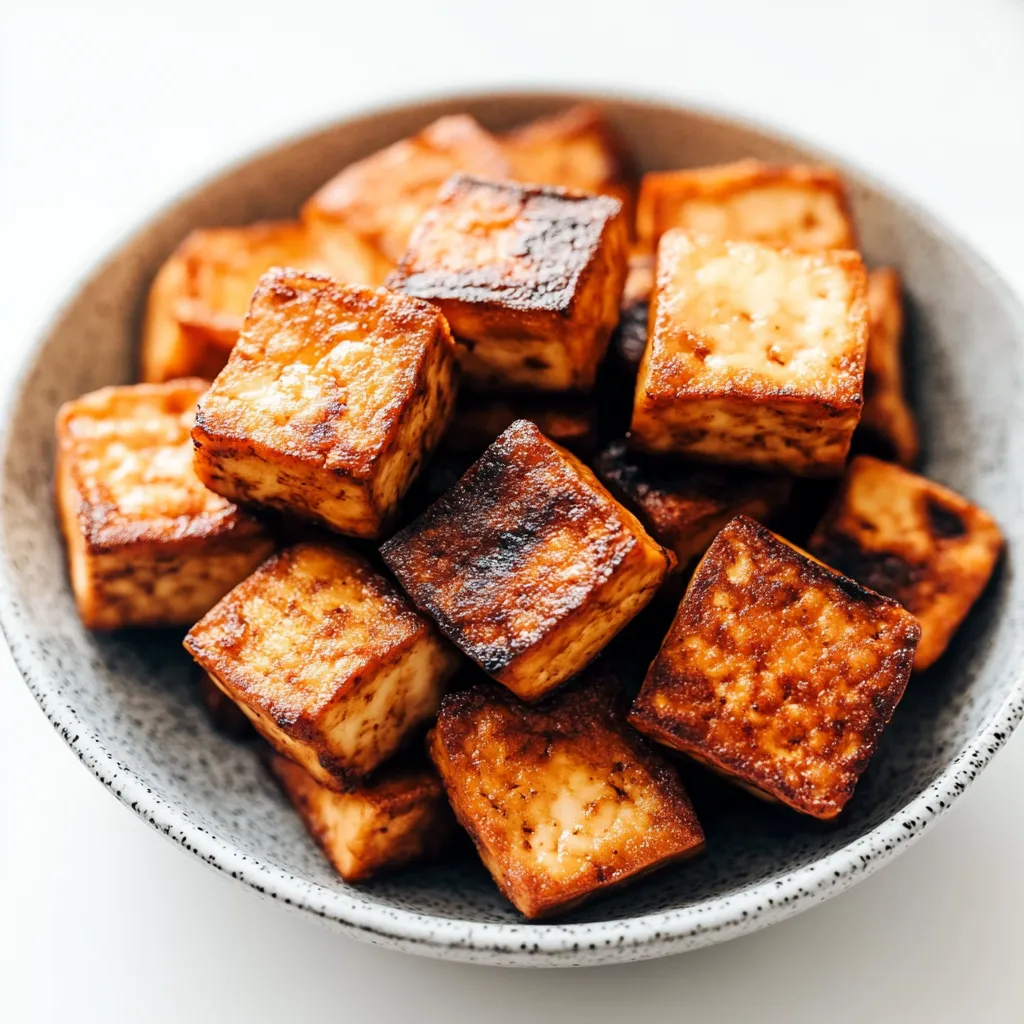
<point>647,936</point>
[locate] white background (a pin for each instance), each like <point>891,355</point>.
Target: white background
<point>108,109</point>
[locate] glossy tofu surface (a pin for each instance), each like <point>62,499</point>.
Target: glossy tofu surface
<point>148,544</point>
<point>755,355</point>
<point>331,400</point>
<point>528,564</point>
<point>327,659</point>
<point>913,540</point>
<point>529,278</point>
<point>796,206</point>
<point>778,671</point>
<point>562,799</point>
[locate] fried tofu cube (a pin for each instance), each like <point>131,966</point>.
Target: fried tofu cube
<point>148,544</point>
<point>755,356</point>
<point>685,505</point>
<point>397,818</point>
<point>332,666</point>
<point>913,540</point>
<point>568,420</point>
<point>887,424</point>
<point>777,671</point>
<point>330,402</point>
<point>561,798</point>
<point>200,296</point>
<point>529,278</point>
<point>375,203</point>
<point>528,564</point>
<point>795,206</point>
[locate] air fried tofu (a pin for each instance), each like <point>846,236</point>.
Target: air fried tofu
<point>397,818</point>
<point>778,671</point>
<point>327,659</point>
<point>795,206</point>
<point>148,544</point>
<point>756,356</point>
<point>913,540</point>
<point>561,798</point>
<point>529,278</point>
<point>376,202</point>
<point>331,400</point>
<point>569,420</point>
<point>887,424</point>
<point>528,564</point>
<point>684,505</point>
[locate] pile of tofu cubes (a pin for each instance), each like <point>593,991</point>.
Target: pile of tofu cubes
<point>405,466</point>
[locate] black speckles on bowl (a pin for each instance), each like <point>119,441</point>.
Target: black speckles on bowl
<point>130,707</point>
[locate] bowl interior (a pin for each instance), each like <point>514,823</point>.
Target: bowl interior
<point>134,697</point>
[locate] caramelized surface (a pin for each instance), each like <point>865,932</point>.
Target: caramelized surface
<point>913,540</point>
<point>778,671</point>
<point>562,799</point>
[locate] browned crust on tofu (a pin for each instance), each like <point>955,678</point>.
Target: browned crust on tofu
<point>528,564</point>
<point>398,818</point>
<point>568,420</point>
<point>561,798</point>
<point>381,198</point>
<point>332,399</point>
<point>913,540</point>
<point>778,671</point>
<point>887,424</point>
<point>315,640</point>
<point>529,278</point>
<point>665,197</point>
<point>685,505</point>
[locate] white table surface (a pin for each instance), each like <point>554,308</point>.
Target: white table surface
<point>106,110</point>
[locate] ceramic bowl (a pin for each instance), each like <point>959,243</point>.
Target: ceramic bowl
<point>128,704</point>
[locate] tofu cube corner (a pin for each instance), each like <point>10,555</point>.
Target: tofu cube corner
<point>778,672</point>
<point>330,403</point>
<point>333,667</point>
<point>561,799</point>
<point>913,540</point>
<point>528,564</point>
<point>528,277</point>
<point>755,356</point>
<point>147,543</point>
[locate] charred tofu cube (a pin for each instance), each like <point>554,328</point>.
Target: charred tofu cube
<point>529,278</point>
<point>561,798</point>
<point>887,425</point>
<point>329,403</point>
<point>755,356</point>
<point>528,564</point>
<point>148,544</point>
<point>795,206</point>
<point>778,671</point>
<point>327,659</point>
<point>375,203</point>
<point>568,420</point>
<point>200,296</point>
<point>399,817</point>
<point>685,505</point>
<point>913,540</point>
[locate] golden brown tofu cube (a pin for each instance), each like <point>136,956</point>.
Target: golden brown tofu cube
<point>685,505</point>
<point>887,425</point>
<point>568,420</point>
<point>376,202</point>
<point>778,671</point>
<point>913,540</point>
<point>200,296</point>
<point>397,818</point>
<point>326,658</point>
<point>755,356</point>
<point>330,402</point>
<point>148,544</point>
<point>528,277</point>
<point>796,206</point>
<point>562,799</point>
<point>528,564</point>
